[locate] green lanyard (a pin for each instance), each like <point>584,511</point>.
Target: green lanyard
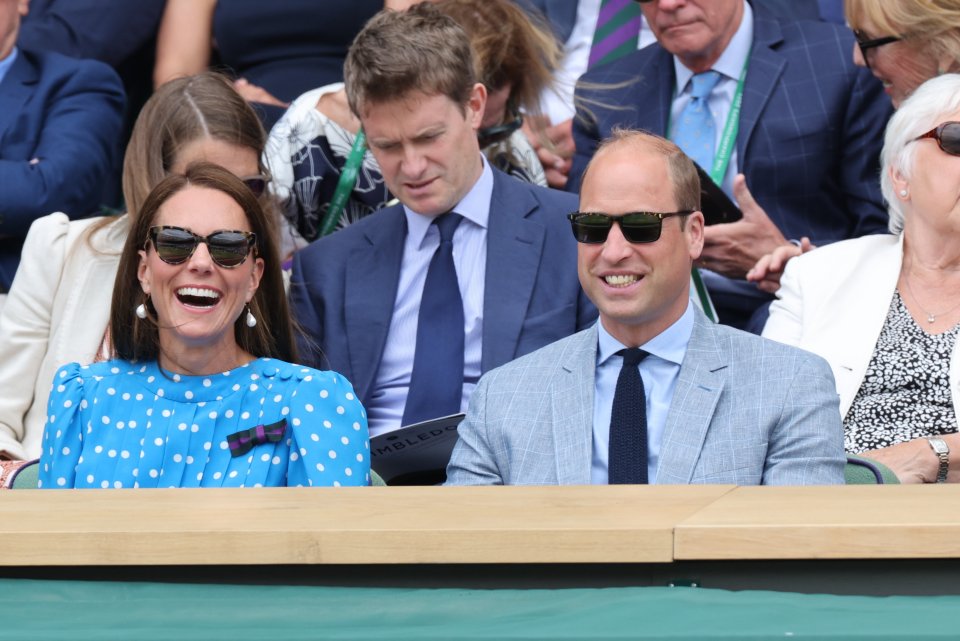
<point>721,160</point>
<point>348,180</point>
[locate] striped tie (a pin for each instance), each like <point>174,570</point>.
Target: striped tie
<point>618,28</point>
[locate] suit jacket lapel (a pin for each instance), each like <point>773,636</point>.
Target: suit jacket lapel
<point>372,277</point>
<point>514,245</point>
<point>15,91</point>
<point>571,393</point>
<point>764,71</point>
<point>699,386</point>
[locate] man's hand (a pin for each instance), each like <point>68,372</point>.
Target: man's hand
<point>554,147</point>
<point>768,270</point>
<point>732,249</point>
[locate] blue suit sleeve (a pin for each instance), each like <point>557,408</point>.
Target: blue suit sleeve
<point>74,149</point>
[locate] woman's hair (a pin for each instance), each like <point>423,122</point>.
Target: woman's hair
<point>136,339</point>
<point>922,111</point>
<point>932,25</point>
<point>179,112</point>
<point>510,48</point>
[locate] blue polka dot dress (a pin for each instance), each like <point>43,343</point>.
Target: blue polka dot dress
<point>119,424</point>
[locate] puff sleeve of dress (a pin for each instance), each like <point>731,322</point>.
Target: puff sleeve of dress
<point>63,436</point>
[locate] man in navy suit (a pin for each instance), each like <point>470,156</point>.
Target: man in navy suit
<point>410,80</point>
<point>60,120</point>
<point>807,138</point>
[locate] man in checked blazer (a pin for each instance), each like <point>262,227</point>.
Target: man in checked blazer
<point>721,405</point>
<point>808,138</point>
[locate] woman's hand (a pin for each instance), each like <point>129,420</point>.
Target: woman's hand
<point>915,462</point>
<point>766,273</point>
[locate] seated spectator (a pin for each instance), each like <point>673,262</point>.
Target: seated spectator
<point>653,392</point>
<point>60,124</point>
<point>202,392</point>
<point>309,147</point>
<point>276,50</point>
<point>806,135</point>
<point>411,319</point>
<point>58,308</point>
<point>903,43</point>
<point>884,310</point>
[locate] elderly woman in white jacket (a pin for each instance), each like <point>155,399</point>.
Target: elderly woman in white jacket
<point>884,310</point>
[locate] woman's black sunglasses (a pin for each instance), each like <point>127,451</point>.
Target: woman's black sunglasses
<point>636,227</point>
<point>498,133</point>
<point>867,43</point>
<point>257,184</point>
<point>176,245</point>
<point>947,136</point>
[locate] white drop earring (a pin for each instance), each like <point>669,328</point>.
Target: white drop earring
<point>141,311</point>
<point>251,319</point>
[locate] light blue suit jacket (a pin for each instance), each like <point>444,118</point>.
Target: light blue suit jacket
<point>745,411</point>
<point>343,286</point>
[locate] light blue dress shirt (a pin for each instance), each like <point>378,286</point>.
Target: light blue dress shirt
<point>659,372</point>
<point>6,63</point>
<point>389,394</point>
<point>730,65</point>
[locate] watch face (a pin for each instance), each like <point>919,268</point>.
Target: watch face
<point>939,446</point>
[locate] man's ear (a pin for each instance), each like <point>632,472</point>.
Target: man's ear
<point>693,232</point>
<point>476,105</point>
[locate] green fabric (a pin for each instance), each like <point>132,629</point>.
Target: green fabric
<point>26,478</point>
<point>145,611</point>
<point>857,472</point>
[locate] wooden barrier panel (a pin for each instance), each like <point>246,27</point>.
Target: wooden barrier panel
<point>380,525</point>
<point>848,522</point>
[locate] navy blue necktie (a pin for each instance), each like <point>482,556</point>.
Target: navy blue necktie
<point>436,384</point>
<point>627,457</point>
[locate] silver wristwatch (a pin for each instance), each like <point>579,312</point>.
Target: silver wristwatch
<point>939,447</point>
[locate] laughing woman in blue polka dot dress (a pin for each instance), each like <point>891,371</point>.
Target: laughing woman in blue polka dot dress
<point>200,393</point>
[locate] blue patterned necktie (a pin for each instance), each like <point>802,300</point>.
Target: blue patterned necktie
<point>695,131</point>
<point>436,384</point>
<point>627,456</point>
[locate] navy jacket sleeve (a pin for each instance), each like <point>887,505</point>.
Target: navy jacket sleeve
<point>58,140</point>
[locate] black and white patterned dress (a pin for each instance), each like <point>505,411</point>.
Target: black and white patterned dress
<point>905,393</point>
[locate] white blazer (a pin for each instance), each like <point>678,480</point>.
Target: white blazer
<point>57,312</point>
<point>834,301</point>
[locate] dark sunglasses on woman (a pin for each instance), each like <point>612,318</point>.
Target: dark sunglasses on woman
<point>947,136</point>
<point>498,133</point>
<point>175,245</point>
<point>257,184</point>
<point>637,227</point>
<point>866,43</point>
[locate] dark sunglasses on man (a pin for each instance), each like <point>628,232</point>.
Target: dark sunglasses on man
<point>227,248</point>
<point>637,226</point>
<point>947,136</point>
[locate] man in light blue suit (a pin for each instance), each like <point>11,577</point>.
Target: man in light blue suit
<point>712,404</point>
<point>410,80</point>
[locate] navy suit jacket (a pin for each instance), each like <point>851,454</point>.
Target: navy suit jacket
<point>344,285</point>
<point>811,125</point>
<point>66,114</point>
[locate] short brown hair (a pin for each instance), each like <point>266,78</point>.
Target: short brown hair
<point>682,171</point>
<point>136,339</point>
<point>399,52</point>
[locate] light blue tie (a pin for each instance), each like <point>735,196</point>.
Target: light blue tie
<point>695,131</point>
